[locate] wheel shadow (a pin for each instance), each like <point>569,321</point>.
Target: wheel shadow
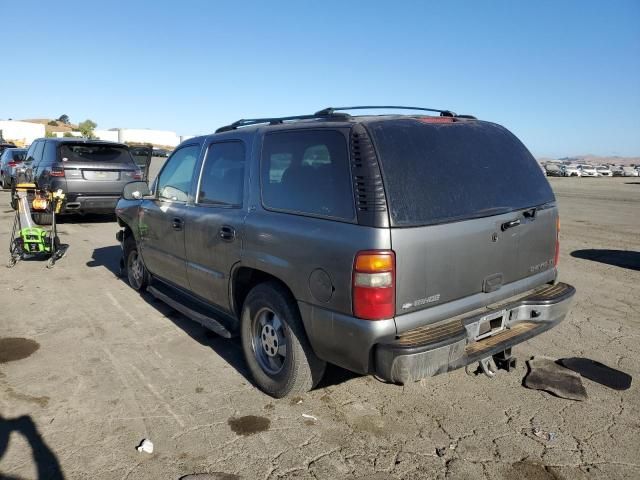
<point>619,258</point>
<point>45,461</point>
<point>107,257</point>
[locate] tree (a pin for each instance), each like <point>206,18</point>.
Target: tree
<point>52,123</point>
<point>67,134</point>
<point>64,119</point>
<point>49,134</point>
<point>87,127</point>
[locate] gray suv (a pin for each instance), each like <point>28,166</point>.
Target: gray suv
<point>91,173</point>
<point>397,245</point>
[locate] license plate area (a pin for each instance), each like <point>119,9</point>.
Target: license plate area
<point>490,324</point>
<point>101,175</point>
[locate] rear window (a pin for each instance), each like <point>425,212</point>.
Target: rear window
<point>437,173</point>
<point>307,172</point>
<point>17,156</point>
<point>83,152</point>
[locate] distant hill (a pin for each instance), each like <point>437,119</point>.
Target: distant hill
<point>594,160</point>
<point>60,127</point>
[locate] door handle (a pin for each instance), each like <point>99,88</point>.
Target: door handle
<point>511,224</point>
<point>227,233</point>
<point>177,223</point>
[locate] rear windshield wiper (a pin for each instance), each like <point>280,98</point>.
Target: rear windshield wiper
<point>490,212</point>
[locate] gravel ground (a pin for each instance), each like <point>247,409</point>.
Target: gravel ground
<point>104,368</point>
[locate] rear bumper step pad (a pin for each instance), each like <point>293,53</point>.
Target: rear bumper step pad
<point>435,349</point>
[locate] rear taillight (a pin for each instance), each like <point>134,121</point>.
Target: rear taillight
<point>56,172</point>
<point>557,256</point>
<point>12,164</point>
<point>137,175</point>
<point>374,284</point>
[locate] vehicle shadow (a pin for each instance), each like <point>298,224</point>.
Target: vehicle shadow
<point>619,258</point>
<point>229,349</point>
<point>46,462</point>
<point>107,257</point>
<point>87,218</point>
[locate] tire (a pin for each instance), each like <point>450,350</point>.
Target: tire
<point>13,201</point>
<point>275,344</point>
<point>137,274</point>
<point>44,218</point>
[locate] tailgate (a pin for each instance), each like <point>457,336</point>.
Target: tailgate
<point>440,263</point>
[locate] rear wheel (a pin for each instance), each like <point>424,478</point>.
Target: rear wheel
<point>14,199</point>
<point>42,218</point>
<point>137,274</point>
<point>275,345</point>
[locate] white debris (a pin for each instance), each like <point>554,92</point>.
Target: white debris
<point>145,446</point>
<point>310,416</point>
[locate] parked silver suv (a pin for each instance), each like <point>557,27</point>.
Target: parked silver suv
<point>397,245</point>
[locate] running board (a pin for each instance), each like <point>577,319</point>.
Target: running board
<point>202,318</point>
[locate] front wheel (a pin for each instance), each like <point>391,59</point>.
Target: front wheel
<point>137,273</point>
<point>275,344</point>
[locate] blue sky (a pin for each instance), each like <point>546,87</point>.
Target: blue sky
<point>563,75</point>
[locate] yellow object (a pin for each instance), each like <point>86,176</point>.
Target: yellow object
<point>40,203</point>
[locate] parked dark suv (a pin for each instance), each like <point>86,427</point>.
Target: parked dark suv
<point>92,173</point>
<point>398,245</point>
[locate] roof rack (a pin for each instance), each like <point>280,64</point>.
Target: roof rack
<point>330,112</point>
<point>245,122</point>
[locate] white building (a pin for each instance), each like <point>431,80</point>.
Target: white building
<point>139,135</point>
<point>21,133</point>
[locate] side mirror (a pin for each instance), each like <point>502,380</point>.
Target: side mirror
<point>135,191</point>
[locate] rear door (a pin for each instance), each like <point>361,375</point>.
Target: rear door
<point>214,225</point>
<point>96,168</point>
<point>470,209</point>
<point>162,219</point>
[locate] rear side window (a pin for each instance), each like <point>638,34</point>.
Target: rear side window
<point>86,152</point>
<point>437,173</point>
<point>222,179</point>
<point>307,172</point>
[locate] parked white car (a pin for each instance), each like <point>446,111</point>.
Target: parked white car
<point>571,171</point>
<point>604,171</point>
<point>587,170</point>
<point>630,172</point>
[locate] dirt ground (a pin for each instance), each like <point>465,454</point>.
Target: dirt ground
<point>103,368</point>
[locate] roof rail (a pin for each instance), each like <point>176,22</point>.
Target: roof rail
<point>331,110</point>
<point>245,122</point>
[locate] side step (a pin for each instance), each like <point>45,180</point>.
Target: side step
<point>192,311</point>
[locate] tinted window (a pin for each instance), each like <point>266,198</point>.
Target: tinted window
<point>307,171</point>
<point>175,178</point>
<point>434,173</point>
<point>18,156</point>
<point>222,178</point>
<point>86,152</point>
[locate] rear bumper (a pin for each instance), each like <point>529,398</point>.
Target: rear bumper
<point>434,349</point>
<point>440,343</point>
<point>90,203</point>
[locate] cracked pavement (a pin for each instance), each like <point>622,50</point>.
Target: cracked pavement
<point>114,367</point>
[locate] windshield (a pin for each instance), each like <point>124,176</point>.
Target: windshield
<point>603,168</point>
<point>437,173</point>
<point>87,152</point>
